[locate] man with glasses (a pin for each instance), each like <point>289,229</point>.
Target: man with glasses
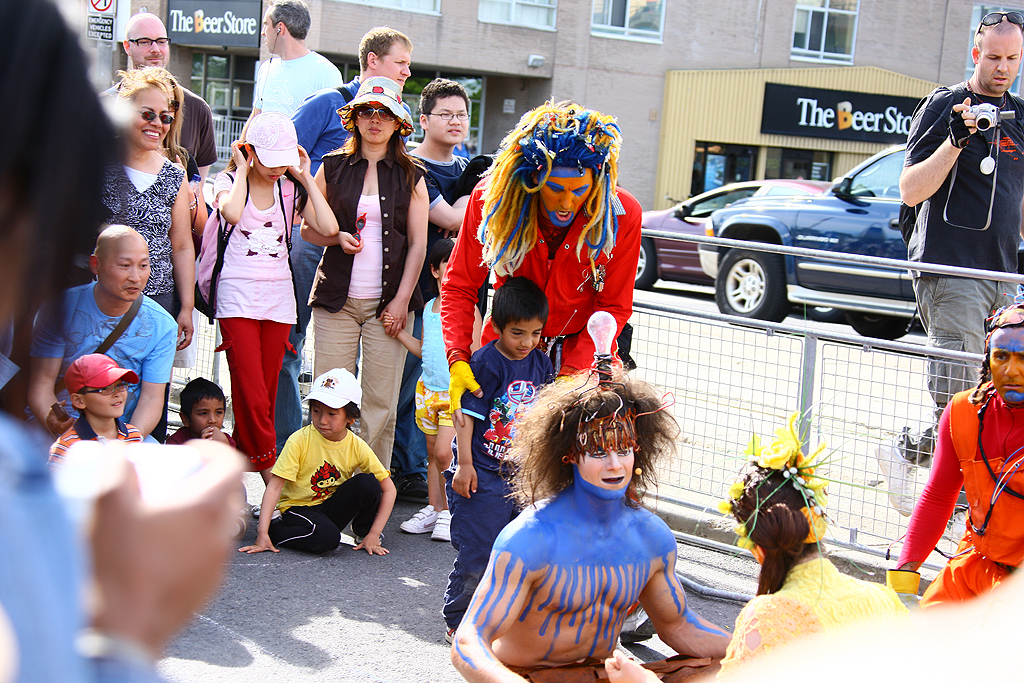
<point>86,316</point>
<point>383,52</point>
<point>966,186</point>
<point>146,44</point>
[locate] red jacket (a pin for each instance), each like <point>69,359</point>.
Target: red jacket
<point>566,280</point>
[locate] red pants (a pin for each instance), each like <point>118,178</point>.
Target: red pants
<point>255,350</point>
<point>963,578</point>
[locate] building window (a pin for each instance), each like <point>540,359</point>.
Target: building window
<point>532,13</point>
<point>642,19</point>
<point>427,6</point>
<point>797,164</point>
<point>979,12</point>
<point>715,165</point>
<point>824,30</point>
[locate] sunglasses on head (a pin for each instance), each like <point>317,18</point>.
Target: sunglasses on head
<point>994,18</point>
<point>366,113</point>
<point>149,116</point>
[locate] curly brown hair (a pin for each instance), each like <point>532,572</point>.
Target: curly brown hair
<point>548,432</point>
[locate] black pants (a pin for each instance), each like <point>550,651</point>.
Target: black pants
<point>317,528</point>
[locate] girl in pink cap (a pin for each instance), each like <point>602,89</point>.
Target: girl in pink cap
<point>265,184</point>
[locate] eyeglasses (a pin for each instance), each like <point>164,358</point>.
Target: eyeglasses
<point>150,116</point>
<point>114,388</point>
<point>148,42</point>
<point>366,113</point>
<point>448,116</point>
<point>994,18</point>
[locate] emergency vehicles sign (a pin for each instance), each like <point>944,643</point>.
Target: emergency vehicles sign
<point>221,23</point>
<point>835,114</point>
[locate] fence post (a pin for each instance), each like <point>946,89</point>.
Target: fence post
<point>807,374</point>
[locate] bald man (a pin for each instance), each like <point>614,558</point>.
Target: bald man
<point>143,35</point>
<point>83,317</point>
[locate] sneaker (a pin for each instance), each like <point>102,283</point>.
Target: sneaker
<point>412,487</point>
<point>443,527</point>
<point>256,513</point>
<point>897,475</point>
<point>449,635</point>
<point>421,523</point>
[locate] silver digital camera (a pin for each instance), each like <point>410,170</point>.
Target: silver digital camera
<point>988,115</point>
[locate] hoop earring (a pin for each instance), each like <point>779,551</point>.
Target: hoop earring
<point>567,459</point>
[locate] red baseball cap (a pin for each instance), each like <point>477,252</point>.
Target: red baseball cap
<point>95,371</point>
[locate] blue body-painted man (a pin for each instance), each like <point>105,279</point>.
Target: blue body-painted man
<point>564,574</point>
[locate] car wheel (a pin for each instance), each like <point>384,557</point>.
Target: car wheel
<point>824,314</point>
<point>752,284</point>
<point>878,326</point>
<point>647,266</point>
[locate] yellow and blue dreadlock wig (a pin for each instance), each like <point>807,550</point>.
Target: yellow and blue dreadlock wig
<point>552,135</point>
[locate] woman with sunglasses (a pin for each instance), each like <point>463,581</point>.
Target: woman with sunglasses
<point>150,193</point>
<point>980,449</point>
<point>369,271</point>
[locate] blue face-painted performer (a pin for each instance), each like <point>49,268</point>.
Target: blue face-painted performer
<point>564,574</point>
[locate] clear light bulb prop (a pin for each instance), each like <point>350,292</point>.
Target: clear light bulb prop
<point>602,327</point>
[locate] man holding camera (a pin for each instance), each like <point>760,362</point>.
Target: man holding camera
<point>964,177</point>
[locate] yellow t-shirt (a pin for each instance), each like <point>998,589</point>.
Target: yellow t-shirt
<point>314,467</point>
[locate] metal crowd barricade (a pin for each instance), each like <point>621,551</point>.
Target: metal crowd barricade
<point>733,378</point>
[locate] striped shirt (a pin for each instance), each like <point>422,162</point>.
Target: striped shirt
<point>83,431</point>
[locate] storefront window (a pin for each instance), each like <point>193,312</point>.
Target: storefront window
<point>641,19</point>
<point>226,83</point>
<point>715,165</point>
<point>797,164</point>
<point>979,12</point>
<point>474,86</point>
<point>825,30</point>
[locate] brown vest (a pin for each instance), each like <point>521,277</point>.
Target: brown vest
<point>344,176</point>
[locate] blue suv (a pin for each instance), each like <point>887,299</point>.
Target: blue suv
<point>858,215</point>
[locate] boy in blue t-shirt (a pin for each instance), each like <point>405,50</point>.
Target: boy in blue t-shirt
<point>510,370</point>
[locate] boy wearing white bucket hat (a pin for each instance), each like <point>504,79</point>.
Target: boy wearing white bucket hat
<point>312,484</point>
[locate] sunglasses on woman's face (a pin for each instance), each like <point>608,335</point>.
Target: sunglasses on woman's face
<point>367,113</point>
<point>149,116</point>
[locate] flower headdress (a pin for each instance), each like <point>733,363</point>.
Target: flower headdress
<point>784,455</point>
<point>552,135</point>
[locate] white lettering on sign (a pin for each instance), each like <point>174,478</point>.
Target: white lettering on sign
<point>229,23</point>
<point>891,121</point>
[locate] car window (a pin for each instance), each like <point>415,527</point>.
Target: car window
<point>880,179</point>
<point>784,191</point>
<point>704,207</point>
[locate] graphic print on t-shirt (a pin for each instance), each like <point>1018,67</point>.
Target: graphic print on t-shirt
<point>324,481</point>
<point>518,396</point>
<point>264,241</point>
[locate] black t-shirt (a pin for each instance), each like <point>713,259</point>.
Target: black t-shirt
<point>961,241</point>
<point>441,178</point>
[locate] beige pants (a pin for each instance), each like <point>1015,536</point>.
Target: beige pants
<point>337,341</point>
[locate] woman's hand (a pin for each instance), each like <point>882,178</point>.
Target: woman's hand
<point>241,163</point>
<point>350,243</point>
<point>305,164</point>
<point>185,329</point>
<point>394,317</point>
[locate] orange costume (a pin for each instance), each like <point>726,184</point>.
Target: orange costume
<point>981,450</point>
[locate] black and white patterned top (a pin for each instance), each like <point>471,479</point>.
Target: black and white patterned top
<point>149,213</point>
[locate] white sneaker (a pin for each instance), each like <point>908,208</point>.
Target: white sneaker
<point>443,527</point>
<point>897,478</point>
<point>422,522</point>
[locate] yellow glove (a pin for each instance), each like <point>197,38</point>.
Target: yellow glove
<point>461,379</point>
<point>906,584</point>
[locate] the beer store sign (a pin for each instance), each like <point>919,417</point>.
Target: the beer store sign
<point>221,23</point>
<point>835,114</point>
